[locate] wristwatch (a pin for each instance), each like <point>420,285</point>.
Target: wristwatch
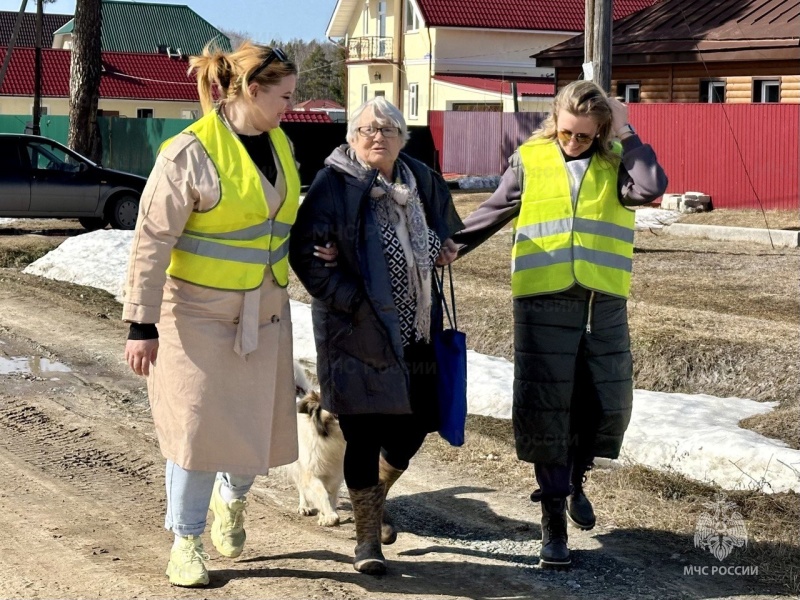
<point>626,130</point>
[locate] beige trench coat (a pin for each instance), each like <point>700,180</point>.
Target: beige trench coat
<point>213,409</point>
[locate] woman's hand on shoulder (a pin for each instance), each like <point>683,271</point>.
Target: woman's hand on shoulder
<point>328,253</point>
<point>140,354</point>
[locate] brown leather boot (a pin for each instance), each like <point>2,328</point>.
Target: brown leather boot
<point>367,511</point>
<point>387,475</point>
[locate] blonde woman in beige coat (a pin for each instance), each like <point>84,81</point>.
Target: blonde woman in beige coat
<point>205,296</point>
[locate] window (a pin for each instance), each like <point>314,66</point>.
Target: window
<point>44,111</point>
<point>380,93</point>
<point>364,93</point>
<point>628,91</point>
<point>10,162</point>
<point>413,100</point>
<point>189,114</point>
<point>144,113</point>
<point>766,90</point>
<point>365,20</point>
<point>712,92</point>
<point>381,22</point>
<point>48,157</point>
<point>411,17</point>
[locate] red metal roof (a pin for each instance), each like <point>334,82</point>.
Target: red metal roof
<point>301,116</point>
<point>312,104</point>
<point>546,15</point>
<point>125,75</point>
<point>525,87</point>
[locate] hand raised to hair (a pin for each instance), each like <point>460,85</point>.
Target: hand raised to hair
<point>619,114</point>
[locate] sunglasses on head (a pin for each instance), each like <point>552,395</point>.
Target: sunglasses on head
<point>274,54</point>
<point>565,135</point>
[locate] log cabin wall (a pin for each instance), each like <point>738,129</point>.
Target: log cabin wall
<point>681,82</point>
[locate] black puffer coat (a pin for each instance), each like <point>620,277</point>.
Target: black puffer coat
<point>360,361</point>
<point>573,376</point>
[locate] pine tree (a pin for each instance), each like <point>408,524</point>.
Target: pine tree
<point>316,75</point>
<point>84,79</point>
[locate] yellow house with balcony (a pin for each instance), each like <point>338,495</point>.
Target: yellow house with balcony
<point>455,54</point>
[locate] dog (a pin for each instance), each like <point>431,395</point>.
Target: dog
<point>318,472</point>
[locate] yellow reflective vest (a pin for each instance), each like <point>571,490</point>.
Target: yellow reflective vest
<point>230,246</point>
<point>557,245</point>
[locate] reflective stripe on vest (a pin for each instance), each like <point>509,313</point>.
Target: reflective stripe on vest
<point>230,246</point>
<point>556,244</point>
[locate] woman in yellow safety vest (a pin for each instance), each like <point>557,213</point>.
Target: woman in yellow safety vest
<point>570,187</point>
<point>209,265</point>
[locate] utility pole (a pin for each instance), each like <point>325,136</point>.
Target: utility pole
<point>597,42</point>
<point>37,71</point>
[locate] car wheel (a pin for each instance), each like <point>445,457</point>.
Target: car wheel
<point>123,212</point>
<point>92,223</point>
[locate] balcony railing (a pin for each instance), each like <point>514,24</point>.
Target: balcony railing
<point>369,48</point>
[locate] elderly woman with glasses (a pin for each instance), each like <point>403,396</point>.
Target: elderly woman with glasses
<point>570,187</point>
<point>374,314</point>
<point>209,265</point>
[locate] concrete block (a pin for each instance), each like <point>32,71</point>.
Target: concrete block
<point>695,202</point>
<point>780,238</point>
<point>671,201</point>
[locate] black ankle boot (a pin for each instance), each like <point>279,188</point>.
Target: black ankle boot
<point>554,552</point>
<point>579,509</point>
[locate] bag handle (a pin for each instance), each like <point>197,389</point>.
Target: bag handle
<point>440,289</point>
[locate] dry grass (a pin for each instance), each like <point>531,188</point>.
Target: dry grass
<point>20,251</point>
<point>636,497</point>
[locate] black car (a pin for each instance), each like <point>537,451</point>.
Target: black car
<point>40,178</point>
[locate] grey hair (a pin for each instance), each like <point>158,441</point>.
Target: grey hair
<point>385,113</point>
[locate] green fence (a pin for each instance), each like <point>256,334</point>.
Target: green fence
<point>128,144</point>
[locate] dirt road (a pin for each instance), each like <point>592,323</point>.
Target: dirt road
<point>82,503</point>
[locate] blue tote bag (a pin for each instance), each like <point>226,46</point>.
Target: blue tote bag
<point>451,369</point>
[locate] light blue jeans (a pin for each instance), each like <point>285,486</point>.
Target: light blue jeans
<point>189,495</point>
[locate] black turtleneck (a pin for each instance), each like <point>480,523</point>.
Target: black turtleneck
<point>260,150</point>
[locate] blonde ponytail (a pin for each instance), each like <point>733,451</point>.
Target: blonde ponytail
<point>214,72</point>
<point>226,75</point>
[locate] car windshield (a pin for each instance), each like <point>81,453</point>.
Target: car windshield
<point>53,158</point>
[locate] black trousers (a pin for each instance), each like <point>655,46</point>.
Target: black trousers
<point>397,437</point>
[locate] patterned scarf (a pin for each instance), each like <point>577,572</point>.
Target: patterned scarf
<point>399,205</point>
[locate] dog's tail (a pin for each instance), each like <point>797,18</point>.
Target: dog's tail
<point>321,419</point>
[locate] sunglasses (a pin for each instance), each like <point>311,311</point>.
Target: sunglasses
<point>565,135</point>
<point>274,54</point>
<point>370,131</point>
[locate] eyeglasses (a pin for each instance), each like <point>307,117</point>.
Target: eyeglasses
<point>370,131</point>
<point>274,54</point>
<point>565,135</point>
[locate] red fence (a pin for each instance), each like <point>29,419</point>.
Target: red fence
<point>737,153</point>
